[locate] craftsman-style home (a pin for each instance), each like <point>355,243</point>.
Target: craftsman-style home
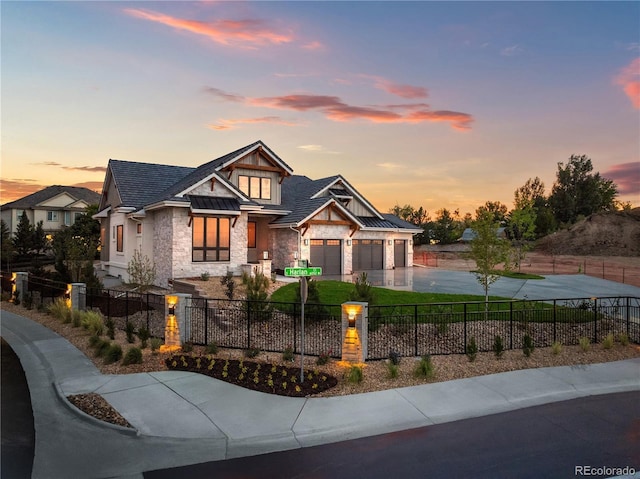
<point>242,211</point>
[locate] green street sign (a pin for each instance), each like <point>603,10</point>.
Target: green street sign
<point>310,271</point>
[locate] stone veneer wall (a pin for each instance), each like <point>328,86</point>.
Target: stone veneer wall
<point>184,267</point>
<point>284,242</point>
<point>163,245</point>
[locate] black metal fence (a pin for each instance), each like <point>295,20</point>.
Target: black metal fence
<point>43,292</point>
<point>413,330</point>
<point>141,309</point>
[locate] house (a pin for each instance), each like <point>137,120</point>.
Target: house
<point>241,210</point>
<point>56,206</point>
<point>469,234</point>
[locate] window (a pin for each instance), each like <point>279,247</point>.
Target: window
<point>139,228</point>
<point>52,216</point>
<point>251,234</point>
<point>255,187</point>
<point>67,218</point>
<point>211,239</point>
<point>120,238</point>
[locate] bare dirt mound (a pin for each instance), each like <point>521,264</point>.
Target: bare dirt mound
<point>602,234</point>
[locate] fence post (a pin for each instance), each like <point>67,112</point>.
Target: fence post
<point>415,328</point>
<point>21,285</point>
<point>78,296</point>
<point>295,327</point>
<point>554,321</point>
<point>595,320</point>
<point>148,311</point>
<point>464,319</point>
<point>628,318</point>
<point>250,306</point>
<point>511,325</point>
<point>206,320</point>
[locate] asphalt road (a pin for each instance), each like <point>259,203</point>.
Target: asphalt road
<point>544,441</point>
<point>18,435</point>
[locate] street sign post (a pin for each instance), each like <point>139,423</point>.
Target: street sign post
<point>302,273</point>
<point>309,271</point>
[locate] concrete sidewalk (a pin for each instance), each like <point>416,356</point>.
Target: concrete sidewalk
<point>184,418</point>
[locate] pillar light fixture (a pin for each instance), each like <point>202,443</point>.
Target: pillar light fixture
<point>171,303</point>
<point>352,319</point>
<point>348,242</point>
<point>306,241</point>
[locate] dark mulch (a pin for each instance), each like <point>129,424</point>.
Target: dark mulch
<point>267,378</point>
<point>98,407</point>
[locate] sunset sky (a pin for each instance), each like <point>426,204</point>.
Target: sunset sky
<point>433,104</point>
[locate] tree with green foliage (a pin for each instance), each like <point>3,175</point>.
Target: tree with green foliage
<point>495,209</point>
<point>7,246</point>
<point>520,230</point>
<point>488,250</point>
<point>532,195</point>
<point>141,271</point>
<point>446,228</point>
<point>23,238</point>
<point>578,192</point>
<point>419,217</point>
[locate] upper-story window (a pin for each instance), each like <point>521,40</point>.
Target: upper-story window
<point>255,186</point>
<point>52,216</point>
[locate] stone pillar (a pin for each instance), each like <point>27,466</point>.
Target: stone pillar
<point>265,267</point>
<point>21,285</point>
<point>355,324</point>
<point>176,322</point>
<point>78,296</point>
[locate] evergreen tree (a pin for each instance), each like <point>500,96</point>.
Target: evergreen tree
<point>23,237</point>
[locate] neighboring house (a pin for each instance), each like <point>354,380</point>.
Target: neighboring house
<point>243,209</point>
<point>56,206</point>
<point>469,234</point>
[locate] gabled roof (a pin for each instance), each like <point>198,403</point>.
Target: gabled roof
<point>139,183</point>
<point>34,199</point>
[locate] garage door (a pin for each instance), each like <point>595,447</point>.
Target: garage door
<point>367,254</point>
<point>327,254</point>
<point>400,253</point>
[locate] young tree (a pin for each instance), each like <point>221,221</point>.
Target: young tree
<point>141,270</point>
<point>521,230</point>
<point>488,250</point>
<point>579,192</point>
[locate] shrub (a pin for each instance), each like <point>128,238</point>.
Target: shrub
<point>624,339</point>
<point>133,356</point>
<point>130,331</point>
<point>94,341</point>
<point>59,310</point>
<point>392,369</point>
<point>155,344</point>
<point>113,354</point>
<point>363,290</point>
<point>111,328</point>
<point>101,347</point>
<point>28,300</point>
<point>471,350</point>
<point>355,374</point>
<point>212,348</point>
<point>144,335</point>
<point>205,276</point>
<point>323,358</point>
<point>498,346</point>
<point>229,284</point>
<point>93,322</point>
<point>287,354</point>
<point>556,347</point>
<point>16,297</point>
<point>76,318</point>
<point>425,368</point>
<point>141,270</point>
<point>608,341</point>
<point>257,304</point>
<point>527,345</point>
<point>585,343</point>
<point>187,347</point>
<point>251,352</point>
<point>394,357</point>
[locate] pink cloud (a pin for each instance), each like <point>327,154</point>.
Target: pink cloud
<point>335,109</point>
<point>231,123</point>
<point>629,79</point>
<point>398,89</point>
<point>626,176</point>
<point>246,33</point>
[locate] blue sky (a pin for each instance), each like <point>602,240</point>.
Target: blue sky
<point>434,104</point>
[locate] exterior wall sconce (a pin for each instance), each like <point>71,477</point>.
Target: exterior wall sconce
<point>171,303</point>
<point>67,293</point>
<point>348,242</point>
<point>306,242</point>
<point>389,242</point>
<point>411,242</point>
<point>265,255</point>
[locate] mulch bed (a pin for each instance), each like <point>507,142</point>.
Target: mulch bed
<point>263,377</point>
<point>95,405</point>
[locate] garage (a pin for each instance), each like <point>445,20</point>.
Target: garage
<point>327,254</point>
<point>368,254</point>
<point>400,253</point>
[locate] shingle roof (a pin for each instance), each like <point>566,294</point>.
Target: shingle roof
<point>139,183</point>
<point>399,222</point>
<point>34,199</point>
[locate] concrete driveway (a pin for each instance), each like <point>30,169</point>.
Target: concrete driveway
<point>433,280</point>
